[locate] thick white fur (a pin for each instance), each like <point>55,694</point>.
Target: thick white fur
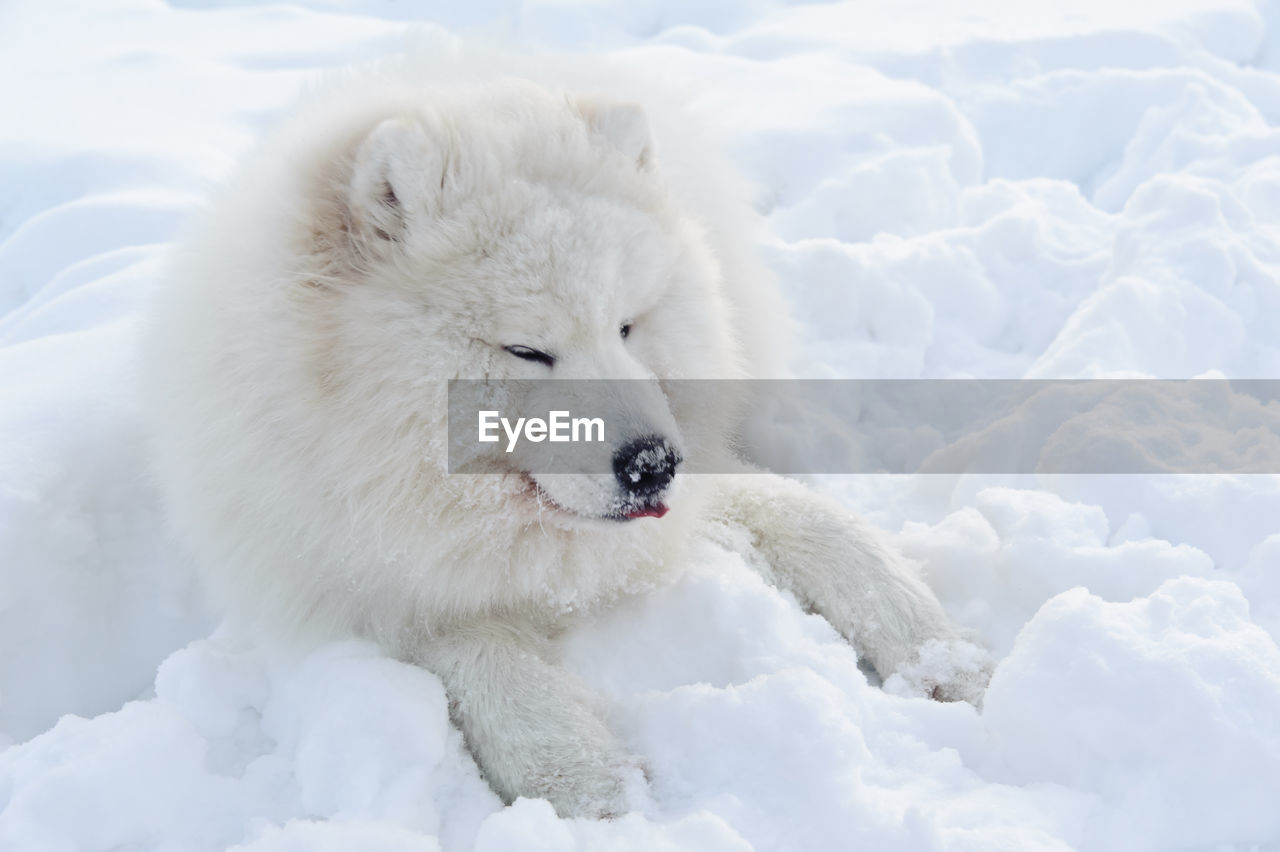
<point>400,230</point>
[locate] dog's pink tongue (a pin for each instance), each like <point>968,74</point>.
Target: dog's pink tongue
<point>648,512</point>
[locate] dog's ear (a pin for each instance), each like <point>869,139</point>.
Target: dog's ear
<point>624,125</point>
<point>395,179</point>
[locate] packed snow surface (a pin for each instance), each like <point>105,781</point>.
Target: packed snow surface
<point>990,189</point>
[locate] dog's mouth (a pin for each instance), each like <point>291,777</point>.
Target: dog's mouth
<point>628,511</point>
<point>655,510</point>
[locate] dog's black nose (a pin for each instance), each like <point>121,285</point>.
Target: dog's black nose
<point>646,465</point>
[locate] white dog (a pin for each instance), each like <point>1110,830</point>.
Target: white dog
<point>405,228</point>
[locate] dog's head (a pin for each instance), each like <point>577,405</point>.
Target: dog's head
<point>515,234</point>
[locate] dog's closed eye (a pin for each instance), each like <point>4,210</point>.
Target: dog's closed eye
<point>527,353</point>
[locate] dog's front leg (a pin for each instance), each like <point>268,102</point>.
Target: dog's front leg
<point>527,721</point>
<point>836,564</point>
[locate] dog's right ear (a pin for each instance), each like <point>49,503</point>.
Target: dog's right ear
<point>395,179</point>
<point>623,125</point>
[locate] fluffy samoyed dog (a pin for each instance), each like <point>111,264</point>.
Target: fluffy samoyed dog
<point>420,222</point>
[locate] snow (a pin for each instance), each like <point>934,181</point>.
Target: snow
<point>1060,710</point>
<point>989,189</point>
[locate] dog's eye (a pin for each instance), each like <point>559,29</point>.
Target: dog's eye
<point>527,354</point>
<point>625,330</point>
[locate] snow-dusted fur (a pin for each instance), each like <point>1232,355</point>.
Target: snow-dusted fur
<point>407,226</point>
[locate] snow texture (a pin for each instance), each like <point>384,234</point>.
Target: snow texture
<point>989,189</point>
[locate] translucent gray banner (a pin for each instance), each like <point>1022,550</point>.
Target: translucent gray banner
<point>873,426</point>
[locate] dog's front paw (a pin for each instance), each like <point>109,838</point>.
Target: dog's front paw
<point>603,785</point>
<point>945,670</point>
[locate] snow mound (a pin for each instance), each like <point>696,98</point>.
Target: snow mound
<point>233,743</point>
<point>1160,705</point>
